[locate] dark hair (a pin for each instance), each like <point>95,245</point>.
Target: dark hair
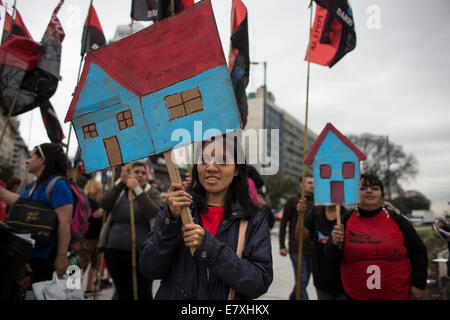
<point>369,180</point>
<point>238,190</point>
<point>137,164</point>
<point>12,183</point>
<point>307,175</point>
<point>55,161</point>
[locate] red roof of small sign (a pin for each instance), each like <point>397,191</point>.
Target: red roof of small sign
<point>173,50</point>
<point>315,147</point>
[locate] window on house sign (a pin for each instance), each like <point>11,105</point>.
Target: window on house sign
<point>184,103</point>
<point>125,119</point>
<point>348,170</point>
<point>90,131</point>
<point>325,171</point>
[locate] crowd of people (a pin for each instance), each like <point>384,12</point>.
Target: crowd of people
<point>135,232</point>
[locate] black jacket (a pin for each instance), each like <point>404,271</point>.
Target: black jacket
<point>164,256</point>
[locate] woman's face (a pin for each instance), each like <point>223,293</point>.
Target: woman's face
<point>215,175</point>
<point>371,196</point>
<point>35,164</point>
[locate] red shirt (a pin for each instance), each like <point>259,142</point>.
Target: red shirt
<point>375,264</point>
<point>211,220</point>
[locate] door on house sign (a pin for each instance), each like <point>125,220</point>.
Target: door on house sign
<point>337,192</point>
<point>112,148</point>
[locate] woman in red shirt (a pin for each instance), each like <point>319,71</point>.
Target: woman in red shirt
<point>382,257</point>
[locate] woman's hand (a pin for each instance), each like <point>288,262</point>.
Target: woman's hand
<point>193,235</point>
<point>177,198</point>
<point>337,235</point>
<point>61,264</point>
<point>417,294</point>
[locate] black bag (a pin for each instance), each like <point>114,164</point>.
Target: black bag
<point>34,217</point>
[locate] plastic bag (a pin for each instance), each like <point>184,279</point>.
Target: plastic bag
<point>56,289</point>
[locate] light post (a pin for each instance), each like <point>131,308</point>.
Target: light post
<point>265,89</point>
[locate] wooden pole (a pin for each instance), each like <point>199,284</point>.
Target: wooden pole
<point>83,50</point>
<point>338,215</point>
<point>172,7</point>
<point>131,198</point>
<point>230,51</point>
<point>9,116</point>
<point>174,174</point>
<point>305,143</point>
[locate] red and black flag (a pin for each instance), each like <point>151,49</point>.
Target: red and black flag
<point>239,64</point>
<point>333,34</point>
<point>93,37</point>
<point>30,75</point>
<point>16,26</point>
<point>156,10</point>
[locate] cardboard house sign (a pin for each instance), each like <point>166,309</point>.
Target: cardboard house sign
<point>336,168</point>
<point>135,92</point>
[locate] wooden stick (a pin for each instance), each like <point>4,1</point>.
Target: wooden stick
<point>131,198</point>
<point>83,50</point>
<point>305,141</point>
<point>338,215</point>
<point>9,116</point>
<point>233,10</point>
<point>174,174</point>
<point>100,257</point>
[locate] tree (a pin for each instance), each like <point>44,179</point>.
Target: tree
<point>279,186</point>
<point>412,200</point>
<point>385,159</point>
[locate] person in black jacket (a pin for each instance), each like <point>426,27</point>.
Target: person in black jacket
<point>380,253</point>
<point>219,201</point>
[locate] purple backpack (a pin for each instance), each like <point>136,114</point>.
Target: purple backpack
<point>81,213</point>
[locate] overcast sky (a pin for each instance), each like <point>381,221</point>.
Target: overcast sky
<point>396,82</point>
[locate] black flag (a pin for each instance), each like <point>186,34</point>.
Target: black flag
<point>239,63</point>
<point>93,37</point>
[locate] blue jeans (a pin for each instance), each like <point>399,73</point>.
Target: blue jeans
<point>304,278</point>
<point>325,295</point>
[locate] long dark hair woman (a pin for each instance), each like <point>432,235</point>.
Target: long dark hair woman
<point>47,161</point>
<point>219,201</point>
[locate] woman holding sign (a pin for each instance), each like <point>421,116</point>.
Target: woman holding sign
<point>225,219</point>
<point>381,255</point>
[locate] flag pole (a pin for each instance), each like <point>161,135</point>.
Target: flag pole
<point>18,90</point>
<point>301,215</point>
<point>4,24</point>
<point>12,19</point>
<point>9,116</point>
<point>233,10</point>
<point>83,50</point>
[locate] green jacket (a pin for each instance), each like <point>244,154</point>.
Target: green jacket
<point>149,202</point>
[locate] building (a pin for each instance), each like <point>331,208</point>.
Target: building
<point>125,30</point>
<point>19,157</point>
<point>13,150</point>
<point>288,154</point>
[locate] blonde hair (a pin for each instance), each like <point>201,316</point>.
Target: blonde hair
<point>93,189</point>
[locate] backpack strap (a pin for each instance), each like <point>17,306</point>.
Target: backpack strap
<point>50,186</point>
<point>240,248</point>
